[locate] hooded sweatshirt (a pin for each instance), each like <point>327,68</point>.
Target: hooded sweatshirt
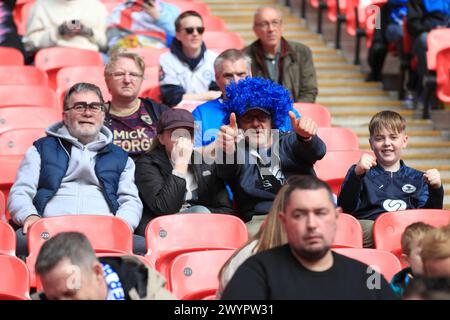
<point>80,191</point>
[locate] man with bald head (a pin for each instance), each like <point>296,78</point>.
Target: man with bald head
<point>287,62</point>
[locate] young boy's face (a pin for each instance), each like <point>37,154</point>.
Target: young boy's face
<point>387,146</point>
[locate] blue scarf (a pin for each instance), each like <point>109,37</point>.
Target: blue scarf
<point>115,289</point>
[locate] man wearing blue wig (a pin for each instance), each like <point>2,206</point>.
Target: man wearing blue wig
<point>256,157</point>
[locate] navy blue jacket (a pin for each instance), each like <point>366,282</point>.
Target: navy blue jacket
<point>296,157</point>
<point>110,163</point>
<point>380,191</point>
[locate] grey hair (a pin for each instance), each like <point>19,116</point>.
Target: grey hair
<point>231,55</point>
<point>82,87</point>
<point>71,245</point>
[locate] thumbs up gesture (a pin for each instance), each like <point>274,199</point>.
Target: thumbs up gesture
<point>304,127</point>
<point>227,136</point>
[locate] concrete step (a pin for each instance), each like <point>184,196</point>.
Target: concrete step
<point>337,86</point>
<point>362,122</point>
<point>364,133</point>
<point>365,104</point>
<point>444,145</point>
<point>326,91</point>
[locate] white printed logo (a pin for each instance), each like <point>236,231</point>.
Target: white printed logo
<point>394,205</point>
<point>408,188</point>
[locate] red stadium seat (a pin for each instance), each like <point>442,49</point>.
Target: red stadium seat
<point>189,105</point>
<point>22,75</point>
<point>22,14</point>
<point>443,75</point>
<point>195,275</point>
<point>339,139</point>
<point>335,164</point>
<point>315,111</point>
<point>200,7</point>
<point>213,23</point>
<point>335,185</point>
<point>14,279</point>
<point>349,232</point>
<point>19,117</point>
<point>2,209</point>
<point>7,237</point>
<point>27,96</point>
<point>389,226</point>
<point>68,76</point>
<point>382,261</point>
<point>11,57</point>
<point>52,59</point>
<point>437,40</point>
<point>17,141</point>
<point>170,235</point>
<point>107,234</point>
<point>331,8</point>
<point>8,169</point>
<point>222,40</point>
<point>150,55</point>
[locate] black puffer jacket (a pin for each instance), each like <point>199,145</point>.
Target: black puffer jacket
<point>163,193</point>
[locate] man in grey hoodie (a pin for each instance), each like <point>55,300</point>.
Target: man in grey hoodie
<point>76,169</point>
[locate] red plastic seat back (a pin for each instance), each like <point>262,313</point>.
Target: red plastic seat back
<point>17,141</point>
<point>23,13</point>
<point>150,55</point>
<point>170,235</point>
<point>315,111</point>
<point>222,40</point>
<point>68,76</point>
<point>11,57</point>
<point>8,169</point>
<point>331,9</point>
<point>335,164</point>
<point>2,212</point>
<point>27,96</point>
<point>213,23</point>
<point>7,235</point>
<point>349,232</point>
<point>339,138</point>
<point>371,15</point>
<point>22,75</point>
<point>52,59</point>
<point>382,261</point>
<point>19,117</point>
<point>389,226</point>
<point>14,279</point>
<point>437,40</point>
<point>200,7</point>
<point>443,75</point>
<point>195,275</point>
<point>105,233</point>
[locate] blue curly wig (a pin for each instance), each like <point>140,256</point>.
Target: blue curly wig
<point>257,92</point>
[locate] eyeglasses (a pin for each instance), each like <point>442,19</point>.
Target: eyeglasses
<point>82,106</point>
<point>265,24</point>
<point>190,30</point>
<point>120,75</point>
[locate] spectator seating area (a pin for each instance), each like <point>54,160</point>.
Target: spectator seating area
<point>188,250</point>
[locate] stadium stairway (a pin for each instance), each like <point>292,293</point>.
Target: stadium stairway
<point>342,88</point>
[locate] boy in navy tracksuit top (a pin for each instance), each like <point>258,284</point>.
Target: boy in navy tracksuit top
<point>385,183</point>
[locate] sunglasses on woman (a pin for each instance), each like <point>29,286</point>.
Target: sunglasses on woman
<point>190,30</point>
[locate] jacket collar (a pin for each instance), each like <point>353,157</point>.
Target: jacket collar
<point>379,170</point>
<point>177,50</point>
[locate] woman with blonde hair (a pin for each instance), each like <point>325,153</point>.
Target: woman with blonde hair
<point>270,235</point>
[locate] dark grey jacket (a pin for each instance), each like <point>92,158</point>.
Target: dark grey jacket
<point>296,68</point>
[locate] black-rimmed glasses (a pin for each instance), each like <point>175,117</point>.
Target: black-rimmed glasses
<point>82,106</point>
